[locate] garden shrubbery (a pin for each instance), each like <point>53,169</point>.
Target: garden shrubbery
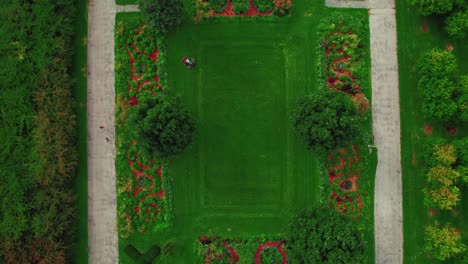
<point>37,127</point>
<point>323,235</point>
<point>264,5</point>
<point>326,119</point>
<point>240,6</point>
<point>455,13</point>
<point>162,15</point>
<point>444,95</point>
<point>162,125</point>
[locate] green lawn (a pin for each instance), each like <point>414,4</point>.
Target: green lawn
<point>411,43</point>
<point>246,173</point>
<point>78,71</point>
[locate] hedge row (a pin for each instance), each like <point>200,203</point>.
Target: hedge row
<point>37,127</point>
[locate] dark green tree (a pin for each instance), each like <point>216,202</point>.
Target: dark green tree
<point>430,7</point>
<point>323,235</point>
<point>456,24</point>
<point>326,119</point>
<point>162,15</point>
<point>162,125</point>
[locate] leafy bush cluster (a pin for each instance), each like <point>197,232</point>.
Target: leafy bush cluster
<point>37,127</point>
<point>454,11</point>
<point>162,15</point>
<point>264,5</point>
<point>446,169</point>
<point>240,6</point>
<point>443,242</point>
<point>326,119</point>
<point>444,95</point>
<point>323,235</point>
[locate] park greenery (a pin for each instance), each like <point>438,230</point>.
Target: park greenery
<point>161,125</point>
<point>38,129</point>
<point>162,15</point>
<point>323,235</point>
<point>444,95</point>
<point>443,242</point>
<point>326,119</point>
<point>455,13</point>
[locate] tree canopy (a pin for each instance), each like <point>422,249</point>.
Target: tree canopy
<point>162,15</point>
<point>323,235</point>
<point>443,242</point>
<point>162,125</point>
<point>326,119</point>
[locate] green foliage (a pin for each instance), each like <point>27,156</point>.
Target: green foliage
<point>241,6</point>
<point>429,7</point>
<point>456,24</point>
<point>37,127</point>
<point>437,70</point>
<point>162,15</point>
<point>162,125</point>
<point>323,235</point>
<point>217,5</point>
<point>326,119</point>
<point>463,98</point>
<point>443,242</point>
<point>263,5</point>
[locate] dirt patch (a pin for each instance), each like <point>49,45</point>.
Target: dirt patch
<point>432,212</point>
<point>427,129</point>
<point>449,47</point>
<point>424,27</point>
<point>452,130</point>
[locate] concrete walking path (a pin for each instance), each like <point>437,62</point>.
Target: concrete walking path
<point>102,201</point>
<point>388,210</point>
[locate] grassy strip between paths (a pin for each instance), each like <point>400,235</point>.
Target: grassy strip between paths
<point>79,91</point>
<point>412,42</point>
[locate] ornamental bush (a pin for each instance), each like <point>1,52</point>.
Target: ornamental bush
<point>456,24</point>
<point>430,7</point>
<point>323,235</point>
<point>162,125</point>
<point>162,15</point>
<point>241,6</point>
<point>443,242</point>
<point>326,119</point>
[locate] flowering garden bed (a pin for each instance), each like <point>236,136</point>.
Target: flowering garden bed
<point>142,183</point>
<point>241,8</point>
<point>241,250</point>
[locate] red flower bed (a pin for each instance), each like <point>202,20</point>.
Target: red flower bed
<point>343,177</point>
<point>269,244</point>
<point>148,190</point>
<point>147,78</point>
<point>252,11</point>
<point>221,253</point>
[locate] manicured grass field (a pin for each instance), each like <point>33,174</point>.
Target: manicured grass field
<point>247,173</point>
<point>412,42</point>
<point>80,249</point>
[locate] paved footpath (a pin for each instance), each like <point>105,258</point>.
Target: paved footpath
<point>102,202</point>
<point>388,221</point>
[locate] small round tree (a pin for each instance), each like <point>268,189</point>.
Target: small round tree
<point>323,235</point>
<point>326,120</point>
<point>162,125</point>
<point>443,242</point>
<point>162,15</point>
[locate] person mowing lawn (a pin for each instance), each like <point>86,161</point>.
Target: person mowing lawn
<point>189,63</point>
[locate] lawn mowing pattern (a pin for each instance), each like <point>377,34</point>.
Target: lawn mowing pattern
<point>141,181</point>
<point>246,174</point>
<point>417,34</point>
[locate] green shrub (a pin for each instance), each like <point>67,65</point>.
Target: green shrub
<point>443,242</point>
<point>326,119</point>
<point>162,125</point>
<point>217,5</point>
<point>162,15</point>
<point>263,5</point>
<point>323,235</point>
<point>241,6</point>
